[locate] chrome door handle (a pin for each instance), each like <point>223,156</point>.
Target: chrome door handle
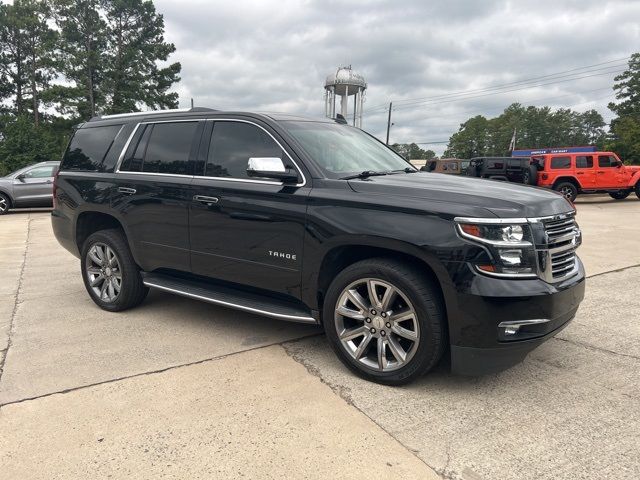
<point>127,190</point>
<point>206,200</point>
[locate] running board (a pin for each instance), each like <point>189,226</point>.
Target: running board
<point>230,297</point>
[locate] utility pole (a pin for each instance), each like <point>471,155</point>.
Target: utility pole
<point>389,122</point>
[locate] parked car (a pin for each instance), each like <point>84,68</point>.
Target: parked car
<point>30,186</point>
<point>455,166</point>
<point>574,174</point>
<point>318,222</point>
<point>509,169</point>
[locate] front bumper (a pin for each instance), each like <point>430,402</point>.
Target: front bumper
<point>478,344</point>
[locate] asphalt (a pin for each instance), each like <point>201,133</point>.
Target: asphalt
<point>182,389</point>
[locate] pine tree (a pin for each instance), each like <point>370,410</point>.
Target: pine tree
<point>135,42</point>
<point>624,131</point>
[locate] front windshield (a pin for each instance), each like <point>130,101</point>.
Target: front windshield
<point>341,150</point>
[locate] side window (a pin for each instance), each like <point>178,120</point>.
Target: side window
<point>453,166</point>
<point>514,163</point>
<point>606,161</point>
<point>88,147</point>
<point>40,172</point>
<point>558,163</point>
<point>135,153</point>
<point>169,148</point>
<point>584,161</point>
<point>495,164</point>
<point>233,144</point>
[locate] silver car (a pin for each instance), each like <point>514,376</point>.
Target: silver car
<point>30,186</point>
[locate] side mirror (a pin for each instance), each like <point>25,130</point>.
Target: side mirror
<point>619,163</point>
<point>271,167</point>
<point>20,178</point>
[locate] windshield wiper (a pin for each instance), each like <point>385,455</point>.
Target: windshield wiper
<point>365,174</point>
<point>406,170</point>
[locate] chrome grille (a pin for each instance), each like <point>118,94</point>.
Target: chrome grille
<point>563,237</point>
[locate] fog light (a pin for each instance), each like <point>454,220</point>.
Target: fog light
<point>511,257</point>
<point>512,330</point>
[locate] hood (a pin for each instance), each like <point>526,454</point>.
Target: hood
<point>503,199</point>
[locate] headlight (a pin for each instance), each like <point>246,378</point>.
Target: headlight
<point>509,245</point>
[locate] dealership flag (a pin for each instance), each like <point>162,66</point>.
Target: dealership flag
<point>512,145</point>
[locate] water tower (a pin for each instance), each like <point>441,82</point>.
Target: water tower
<point>345,83</point>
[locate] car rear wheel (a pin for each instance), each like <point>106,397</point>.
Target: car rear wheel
<point>110,274</point>
<point>385,321</point>
<point>568,190</point>
<point>620,194</point>
<point>637,189</point>
<point>530,175</point>
<point>5,204</point>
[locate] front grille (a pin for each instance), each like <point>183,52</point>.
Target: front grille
<point>563,237</point>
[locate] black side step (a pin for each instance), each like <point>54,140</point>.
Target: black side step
<point>230,297</point>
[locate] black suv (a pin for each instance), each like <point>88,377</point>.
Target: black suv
<point>315,221</point>
<point>510,169</point>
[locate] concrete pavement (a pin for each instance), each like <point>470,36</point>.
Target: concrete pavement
<point>182,389</point>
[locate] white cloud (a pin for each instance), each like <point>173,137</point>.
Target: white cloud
<point>264,55</point>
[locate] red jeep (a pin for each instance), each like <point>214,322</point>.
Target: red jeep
<point>585,172</point>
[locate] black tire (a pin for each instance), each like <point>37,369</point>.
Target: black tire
<point>530,175</point>
<point>430,316</point>
<point>132,290</point>
<point>637,189</point>
<point>5,204</point>
<point>620,194</point>
<point>567,189</point>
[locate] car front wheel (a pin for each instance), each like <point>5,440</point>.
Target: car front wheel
<point>5,204</point>
<point>620,194</point>
<point>385,320</point>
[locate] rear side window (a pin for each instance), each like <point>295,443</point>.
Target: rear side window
<point>89,147</point>
<point>233,144</point>
<point>558,163</point>
<point>584,161</point>
<point>607,161</point>
<point>495,164</point>
<point>169,148</point>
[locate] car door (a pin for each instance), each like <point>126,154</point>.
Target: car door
<point>152,192</point>
<point>34,188</point>
<point>245,230</point>
<point>607,172</point>
<point>585,171</point>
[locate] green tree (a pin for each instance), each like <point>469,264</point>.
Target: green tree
<point>411,151</point>
<point>135,45</point>
<point>12,55</point>
<point>23,143</point>
<point>471,140</point>
<point>536,127</point>
<point>83,47</point>
<point>624,131</point>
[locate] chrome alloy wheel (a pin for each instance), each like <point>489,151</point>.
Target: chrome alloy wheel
<point>376,324</point>
<point>104,272</point>
<point>567,192</point>
<point>4,205</point>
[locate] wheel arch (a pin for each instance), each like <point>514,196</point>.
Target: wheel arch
<point>339,257</point>
<point>568,179</point>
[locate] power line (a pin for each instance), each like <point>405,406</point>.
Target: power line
<point>587,68</point>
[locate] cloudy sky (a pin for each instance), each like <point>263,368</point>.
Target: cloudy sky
<point>275,56</point>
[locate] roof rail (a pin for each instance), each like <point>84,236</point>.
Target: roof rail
<point>154,112</point>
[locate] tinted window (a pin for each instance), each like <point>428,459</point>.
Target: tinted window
<point>538,162</point>
<point>584,161</point>
<point>515,163</point>
<point>88,147</point>
<point>233,144</point>
<point>168,148</point>
<point>607,161</point>
<point>40,172</point>
<point>560,162</point>
<point>495,164</point>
